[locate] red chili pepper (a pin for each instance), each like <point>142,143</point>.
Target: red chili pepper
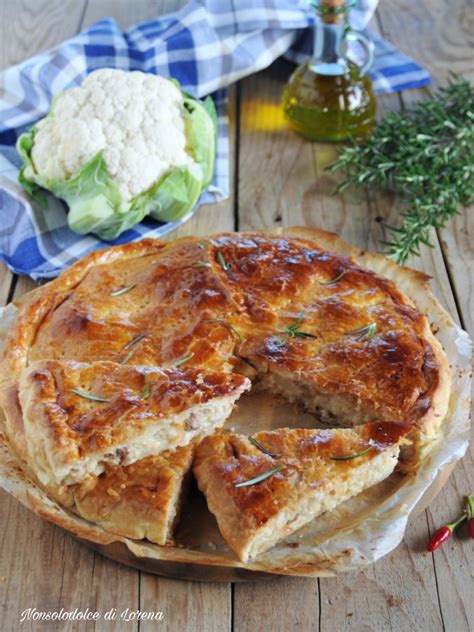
<point>470,515</point>
<point>444,533</point>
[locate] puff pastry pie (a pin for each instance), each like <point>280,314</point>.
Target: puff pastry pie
<point>194,317</point>
<point>80,417</point>
<point>142,500</point>
<point>302,474</point>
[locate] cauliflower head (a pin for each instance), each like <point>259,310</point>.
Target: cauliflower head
<point>121,146</point>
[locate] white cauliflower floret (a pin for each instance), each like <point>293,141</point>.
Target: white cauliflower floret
<point>121,147</point>
<point>135,118</point>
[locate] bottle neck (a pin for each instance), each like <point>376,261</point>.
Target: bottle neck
<point>329,48</point>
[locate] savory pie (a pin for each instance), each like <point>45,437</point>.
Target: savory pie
<point>286,311</point>
<point>142,500</point>
<point>79,417</point>
<point>302,474</point>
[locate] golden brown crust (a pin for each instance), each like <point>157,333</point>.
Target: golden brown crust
<point>410,283</point>
<point>188,301</point>
<point>176,301</point>
<point>138,501</point>
<point>50,295</point>
<point>314,463</point>
<point>77,412</point>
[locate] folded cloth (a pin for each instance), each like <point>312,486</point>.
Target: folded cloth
<point>206,45</point>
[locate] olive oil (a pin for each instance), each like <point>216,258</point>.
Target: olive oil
<point>329,107</point>
<point>329,98</point>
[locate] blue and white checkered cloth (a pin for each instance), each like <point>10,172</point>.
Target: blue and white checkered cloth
<point>206,46</point>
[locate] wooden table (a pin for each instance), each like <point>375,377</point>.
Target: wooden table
<point>277,179</point>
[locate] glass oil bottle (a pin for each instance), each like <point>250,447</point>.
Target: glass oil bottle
<point>330,98</point>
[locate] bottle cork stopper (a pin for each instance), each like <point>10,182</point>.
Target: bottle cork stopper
<point>332,11</point>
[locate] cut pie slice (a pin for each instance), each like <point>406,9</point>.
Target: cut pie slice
<point>141,500</point>
<point>262,489</point>
<point>79,417</point>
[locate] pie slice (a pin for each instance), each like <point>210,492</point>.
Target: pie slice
<point>80,418</point>
<point>141,500</point>
<point>262,489</point>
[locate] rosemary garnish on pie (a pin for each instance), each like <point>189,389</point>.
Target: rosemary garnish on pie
<point>130,344</point>
<point>221,321</point>
<point>146,390</point>
<point>261,477</point>
<point>259,446</point>
<point>135,340</point>
<point>335,280</point>
<point>351,456</point>
<point>93,398</point>
<point>201,264</point>
<point>185,359</point>
<point>127,357</point>
<point>223,263</point>
<point>123,290</point>
<point>368,331</point>
<point>293,332</point>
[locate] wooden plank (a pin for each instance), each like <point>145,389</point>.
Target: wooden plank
<point>404,581</point>
<point>436,33</point>
<point>186,605</point>
<point>390,595</point>
<point>276,186</point>
<point>278,605</point>
<point>31,26</point>
<point>456,611</point>
<point>98,583</point>
<point>449,50</point>
<point>30,546</point>
<point>128,13</point>
<point>282,180</point>
<point>457,241</point>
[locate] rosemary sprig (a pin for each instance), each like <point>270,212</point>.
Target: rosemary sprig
<point>351,456</point>
<point>93,398</point>
<point>135,340</point>
<point>123,290</point>
<point>259,446</point>
<point>183,360</point>
<point>427,155</point>
<point>222,262</point>
<point>221,321</point>
<point>127,357</point>
<point>293,332</point>
<point>368,331</point>
<point>261,477</point>
<point>335,280</point>
<point>146,390</point>
<point>201,264</point>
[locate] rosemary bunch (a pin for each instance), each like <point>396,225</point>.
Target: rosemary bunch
<point>427,154</point>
